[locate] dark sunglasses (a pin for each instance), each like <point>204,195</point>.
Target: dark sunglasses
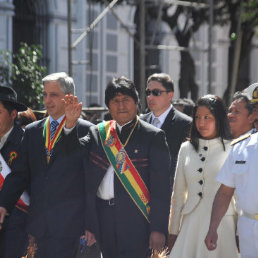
<point>155,92</point>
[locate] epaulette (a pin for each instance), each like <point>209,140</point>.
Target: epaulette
<point>240,139</point>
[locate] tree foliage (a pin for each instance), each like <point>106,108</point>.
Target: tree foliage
<point>225,12</point>
<point>23,72</point>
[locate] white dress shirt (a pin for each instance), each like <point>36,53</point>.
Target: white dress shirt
<point>59,120</point>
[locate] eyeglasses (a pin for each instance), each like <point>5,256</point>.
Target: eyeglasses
<point>155,92</point>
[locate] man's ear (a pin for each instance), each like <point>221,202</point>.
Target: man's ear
<point>171,94</point>
<point>251,118</point>
<point>14,114</point>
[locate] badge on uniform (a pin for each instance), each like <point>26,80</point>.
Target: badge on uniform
<point>122,165</point>
<point>110,141</point>
<point>240,162</point>
<point>13,155</point>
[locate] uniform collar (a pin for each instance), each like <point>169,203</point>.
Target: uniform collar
<point>253,139</point>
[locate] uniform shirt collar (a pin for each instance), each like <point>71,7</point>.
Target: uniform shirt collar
<point>251,131</point>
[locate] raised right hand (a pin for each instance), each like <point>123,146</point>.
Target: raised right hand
<point>72,110</point>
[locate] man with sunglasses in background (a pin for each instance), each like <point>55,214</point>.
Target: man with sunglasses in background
<point>175,124</point>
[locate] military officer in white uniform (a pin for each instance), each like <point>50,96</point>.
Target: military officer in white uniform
<point>252,92</point>
<point>240,173</point>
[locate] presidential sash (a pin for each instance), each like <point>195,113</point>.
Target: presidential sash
<point>50,144</point>
<point>124,168</point>
<point>24,201</point>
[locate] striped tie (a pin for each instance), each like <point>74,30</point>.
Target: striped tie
<point>54,124</point>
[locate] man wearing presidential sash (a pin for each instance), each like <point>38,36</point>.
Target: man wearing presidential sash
<point>128,179</point>
<point>54,176</point>
<point>13,237</point>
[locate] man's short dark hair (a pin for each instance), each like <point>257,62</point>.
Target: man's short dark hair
<point>164,79</point>
<point>121,85</point>
<point>8,106</point>
<point>244,97</point>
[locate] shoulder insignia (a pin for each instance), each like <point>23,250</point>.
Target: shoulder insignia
<point>240,139</point>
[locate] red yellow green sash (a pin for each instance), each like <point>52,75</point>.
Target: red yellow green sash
<point>124,168</point>
<point>50,144</point>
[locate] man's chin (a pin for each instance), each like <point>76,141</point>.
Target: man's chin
<point>151,106</point>
<point>123,120</point>
<point>49,112</point>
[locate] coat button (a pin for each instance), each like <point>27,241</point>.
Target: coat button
<point>200,170</point>
<point>205,148</point>
<point>200,194</point>
<point>203,158</point>
<point>200,182</point>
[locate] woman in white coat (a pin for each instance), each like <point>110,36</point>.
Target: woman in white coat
<point>195,186</point>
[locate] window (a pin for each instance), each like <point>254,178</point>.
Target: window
<point>111,64</point>
<point>111,42</point>
<point>111,22</point>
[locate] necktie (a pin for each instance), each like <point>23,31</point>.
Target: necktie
<point>155,121</point>
<point>54,124</point>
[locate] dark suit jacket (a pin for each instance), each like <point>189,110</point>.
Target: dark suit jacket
<point>148,150</point>
<point>176,127</point>
<point>57,189</point>
<point>14,227</point>
<point>12,144</point>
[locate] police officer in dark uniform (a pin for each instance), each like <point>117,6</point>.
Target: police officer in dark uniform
<point>13,236</point>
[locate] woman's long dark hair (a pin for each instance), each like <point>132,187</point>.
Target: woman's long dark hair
<point>217,107</point>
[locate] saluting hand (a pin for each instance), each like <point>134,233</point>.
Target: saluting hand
<point>72,110</point>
